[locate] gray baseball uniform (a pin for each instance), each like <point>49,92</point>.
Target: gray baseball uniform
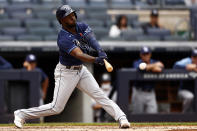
<point>71,73</point>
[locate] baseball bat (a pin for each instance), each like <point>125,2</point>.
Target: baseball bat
<point>108,66</point>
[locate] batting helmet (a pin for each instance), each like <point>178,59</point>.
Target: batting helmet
<point>64,11</point>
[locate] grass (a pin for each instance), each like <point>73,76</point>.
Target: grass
<point>111,124</point>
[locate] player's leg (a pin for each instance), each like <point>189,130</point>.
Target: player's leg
<point>65,82</point>
<point>151,104</point>
<point>137,101</point>
<point>89,85</point>
<point>187,97</point>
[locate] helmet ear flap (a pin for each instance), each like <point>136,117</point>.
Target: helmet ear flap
<point>75,14</point>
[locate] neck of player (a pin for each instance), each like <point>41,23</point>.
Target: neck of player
<point>70,29</point>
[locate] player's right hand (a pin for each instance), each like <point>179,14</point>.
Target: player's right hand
<point>99,60</point>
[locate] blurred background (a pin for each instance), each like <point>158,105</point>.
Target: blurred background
<point>28,30</point>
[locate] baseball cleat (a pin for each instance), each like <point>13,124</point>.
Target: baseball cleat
<point>124,123</point>
<point>18,121</point>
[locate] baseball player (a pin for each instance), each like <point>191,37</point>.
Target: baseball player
<point>74,41</point>
<point>143,94</point>
<point>186,90</point>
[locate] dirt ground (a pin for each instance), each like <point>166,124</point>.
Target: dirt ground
<point>99,128</point>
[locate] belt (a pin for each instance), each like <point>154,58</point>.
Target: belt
<point>144,89</point>
<point>74,67</point>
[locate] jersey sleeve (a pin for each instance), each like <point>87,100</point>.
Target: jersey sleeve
<point>88,33</point>
<point>181,64</point>
<point>66,44</point>
<point>136,64</point>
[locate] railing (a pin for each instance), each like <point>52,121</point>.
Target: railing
<point>124,76</point>
<point>15,94</point>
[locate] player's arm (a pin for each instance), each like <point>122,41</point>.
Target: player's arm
<point>155,67</point>
<point>45,85</point>
<point>77,53</point>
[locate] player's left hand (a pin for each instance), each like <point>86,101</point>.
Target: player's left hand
<point>99,60</point>
<point>102,53</point>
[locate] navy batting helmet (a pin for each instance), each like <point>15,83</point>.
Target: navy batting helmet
<point>64,11</point>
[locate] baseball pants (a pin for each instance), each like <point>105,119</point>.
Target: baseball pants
<point>65,82</point>
<point>187,97</point>
<point>143,102</point>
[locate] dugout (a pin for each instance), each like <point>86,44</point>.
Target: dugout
<point>120,54</point>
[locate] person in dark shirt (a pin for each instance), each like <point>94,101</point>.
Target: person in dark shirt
<point>143,94</point>
<point>154,21</point>
<point>30,64</point>
<point>4,64</point>
<point>186,90</point>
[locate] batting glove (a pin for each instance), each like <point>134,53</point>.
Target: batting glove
<point>99,60</point>
<point>102,53</point>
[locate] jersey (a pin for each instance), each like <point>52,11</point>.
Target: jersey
<point>4,64</point>
<point>188,85</point>
<point>67,42</point>
<point>147,85</point>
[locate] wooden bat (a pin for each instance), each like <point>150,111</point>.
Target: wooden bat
<point>108,66</point>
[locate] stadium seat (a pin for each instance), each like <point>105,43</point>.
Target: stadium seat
<point>120,4</point>
<point>9,23</point>
<point>3,16</point>
<point>78,4</point>
<point>94,23</point>
<point>137,24</point>
<point>98,3</point>
<point>3,3</point>
<point>14,31</point>
<point>100,32</point>
<point>48,15</point>
<point>21,15</point>
<point>29,38</point>
<point>174,2</point>
<point>174,38</point>
<point>56,26</point>
<point>18,7</point>
<point>29,23</point>
<point>131,35</point>
<point>50,38</point>
<point>147,38</point>
<point>158,32</point>
<point>6,38</point>
<point>41,31</point>
<point>81,17</point>
<point>99,16</point>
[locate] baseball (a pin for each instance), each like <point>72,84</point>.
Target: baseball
<point>142,66</point>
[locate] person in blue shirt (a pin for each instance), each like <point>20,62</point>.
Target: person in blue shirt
<point>186,90</point>
<point>74,41</point>
<point>143,94</point>
<point>4,64</point>
<point>30,64</point>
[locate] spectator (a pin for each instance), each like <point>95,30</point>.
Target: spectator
<point>30,64</point>
<point>186,90</point>
<point>190,2</point>
<point>143,94</point>
<point>4,64</point>
<point>99,114</point>
<point>154,21</point>
<point>121,25</point>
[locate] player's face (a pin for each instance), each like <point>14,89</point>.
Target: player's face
<point>145,57</point>
<point>69,20</point>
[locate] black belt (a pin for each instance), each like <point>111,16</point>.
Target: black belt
<point>74,67</point>
<point>144,89</point>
